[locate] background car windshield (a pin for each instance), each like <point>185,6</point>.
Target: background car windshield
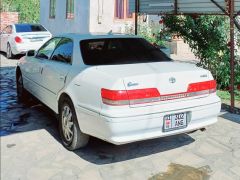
<point>29,28</point>
<point>120,51</point>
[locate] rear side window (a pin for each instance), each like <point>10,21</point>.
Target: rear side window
<point>120,51</point>
<point>29,28</point>
<point>63,51</point>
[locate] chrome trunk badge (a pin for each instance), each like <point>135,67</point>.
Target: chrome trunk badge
<point>130,84</point>
<point>172,80</point>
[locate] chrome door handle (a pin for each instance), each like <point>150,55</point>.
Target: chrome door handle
<point>62,77</point>
<point>41,70</point>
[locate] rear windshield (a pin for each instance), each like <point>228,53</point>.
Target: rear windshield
<point>120,51</point>
<point>29,28</point>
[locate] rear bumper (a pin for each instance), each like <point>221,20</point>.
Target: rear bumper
<point>124,130</point>
<point>23,48</point>
<point>151,126</point>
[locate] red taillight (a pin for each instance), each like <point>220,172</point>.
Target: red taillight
<point>201,86</point>
<point>150,95</point>
<point>18,39</point>
<point>128,97</point>
<point>114,94</point>
<point>143,93</point>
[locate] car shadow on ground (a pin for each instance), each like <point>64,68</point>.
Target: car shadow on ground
<point>15,56</point>
<point>100,152</point>
<point>18,118</point>
<point>231,117</point>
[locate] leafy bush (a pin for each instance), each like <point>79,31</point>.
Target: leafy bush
<point>208,37</point>
<point>147,32</point>
<point>29,10</point>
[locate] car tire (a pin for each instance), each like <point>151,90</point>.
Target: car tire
<point>9,52</point>
<point>22,94</point>
<point>72,137</point>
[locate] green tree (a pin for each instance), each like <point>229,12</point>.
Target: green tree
<point>208,37</point>
<point>29,10</point>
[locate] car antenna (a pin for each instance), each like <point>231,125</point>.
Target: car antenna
<point>110,32</point>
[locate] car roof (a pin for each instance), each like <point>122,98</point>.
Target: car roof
<point>14,24</point>
<point>79,36</point>
<point>26,24</point>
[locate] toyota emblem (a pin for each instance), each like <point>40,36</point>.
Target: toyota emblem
<point>172,80</point>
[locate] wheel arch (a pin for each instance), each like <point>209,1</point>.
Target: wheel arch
<point>63,96</point>
<point>18,71</point>
<point>60,99</point>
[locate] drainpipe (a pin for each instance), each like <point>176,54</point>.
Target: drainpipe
<point>136,16</point>
<point>232,49</point>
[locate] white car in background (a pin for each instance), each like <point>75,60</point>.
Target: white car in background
<point>20,38</point>
<point>117,88</point>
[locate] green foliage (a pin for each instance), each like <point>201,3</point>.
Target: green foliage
<point>145,31</point>
<point>29,10</point>
<point>225,95</point>
<point>208,37</point>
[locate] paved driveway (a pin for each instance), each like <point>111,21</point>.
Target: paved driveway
<point>31,149</point>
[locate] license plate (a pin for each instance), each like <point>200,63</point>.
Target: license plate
<point>174,121</point>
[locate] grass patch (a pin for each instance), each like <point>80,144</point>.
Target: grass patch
<point>225,95</point>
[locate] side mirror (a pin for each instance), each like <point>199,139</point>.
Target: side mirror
<point>31,53</point>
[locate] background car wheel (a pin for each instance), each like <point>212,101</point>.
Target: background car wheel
<point>9,51</point>
<point>71,135</point>
<point>21,92</point>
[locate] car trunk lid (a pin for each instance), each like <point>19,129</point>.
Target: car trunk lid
<point>34,37</point>
<point>171,79</point>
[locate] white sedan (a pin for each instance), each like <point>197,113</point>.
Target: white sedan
<point>118,88</point>
<point>19,38</point>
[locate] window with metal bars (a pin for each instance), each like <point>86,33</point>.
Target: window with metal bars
<point>122,10</point>
<point>70,9</point>
<point>119,9</point>
<point>128,13</point>
<point>52,9</point>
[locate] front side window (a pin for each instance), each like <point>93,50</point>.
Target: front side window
<point>47,49</point>
<point>52,9</point>
<point>111,51</point>
<point>70,9</point>
<point>63,51</point>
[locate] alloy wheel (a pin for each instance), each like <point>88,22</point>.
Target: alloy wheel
<point>9,52</point>
<point>67,123</point>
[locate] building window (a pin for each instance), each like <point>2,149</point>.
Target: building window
<point>119,9</point>
<point>52,9</point>
<point>128,13</point>
<point>70,9</point>
<point>122,10</point>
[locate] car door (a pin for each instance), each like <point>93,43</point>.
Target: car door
<point>33,66</point>
<point>55,71</point>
